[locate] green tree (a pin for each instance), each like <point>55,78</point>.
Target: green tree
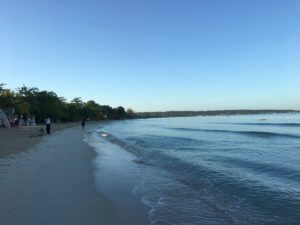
<point>7,98</point>
<point>93,111</point>
<point>75,109</point>
<point>26,98</point>
<point>42,104</point>
<point>1,87</point>
<point>119,113</point>
<point>130,113</point>
<point>107,112</point>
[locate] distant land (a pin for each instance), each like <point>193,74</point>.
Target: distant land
<point>209,113</point>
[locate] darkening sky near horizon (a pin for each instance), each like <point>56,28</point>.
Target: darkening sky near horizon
<point>156,54</point>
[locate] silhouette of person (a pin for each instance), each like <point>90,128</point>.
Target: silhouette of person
<point>48,125</point>
<point>83,123</point>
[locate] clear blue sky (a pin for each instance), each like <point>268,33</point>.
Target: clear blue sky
<point>156,54</point>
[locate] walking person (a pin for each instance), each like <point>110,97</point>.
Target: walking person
<point>83,123</point>
<point>48,125</point>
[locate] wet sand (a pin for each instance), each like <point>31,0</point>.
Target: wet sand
<point>53,183</point>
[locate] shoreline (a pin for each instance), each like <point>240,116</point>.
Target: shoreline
<point>117,177</point>
<point>53,183</point>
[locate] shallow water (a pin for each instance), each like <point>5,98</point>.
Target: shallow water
<point>216,170</point>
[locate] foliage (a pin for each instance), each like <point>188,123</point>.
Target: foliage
<point>1,87</point>
<point>130,113</point>
<point>30,101</point>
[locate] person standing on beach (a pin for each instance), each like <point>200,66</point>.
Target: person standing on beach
<point>83,123</point>
<point>48,125</point>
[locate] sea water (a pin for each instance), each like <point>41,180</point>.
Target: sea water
<point>215,170</point>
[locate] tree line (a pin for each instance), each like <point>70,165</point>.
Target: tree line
<point>30,101</point>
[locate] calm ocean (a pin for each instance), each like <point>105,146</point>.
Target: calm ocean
<point>216,170</point>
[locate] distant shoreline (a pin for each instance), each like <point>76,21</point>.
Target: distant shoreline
<point>145,115</point>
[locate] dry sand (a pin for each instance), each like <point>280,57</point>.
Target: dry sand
<point>53,183</point>
<point>16,140</point>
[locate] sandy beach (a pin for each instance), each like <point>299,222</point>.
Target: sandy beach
<point>16,140</point>
<point>53,182</point>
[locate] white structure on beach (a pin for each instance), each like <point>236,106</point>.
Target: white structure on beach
<point>3,119</point>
